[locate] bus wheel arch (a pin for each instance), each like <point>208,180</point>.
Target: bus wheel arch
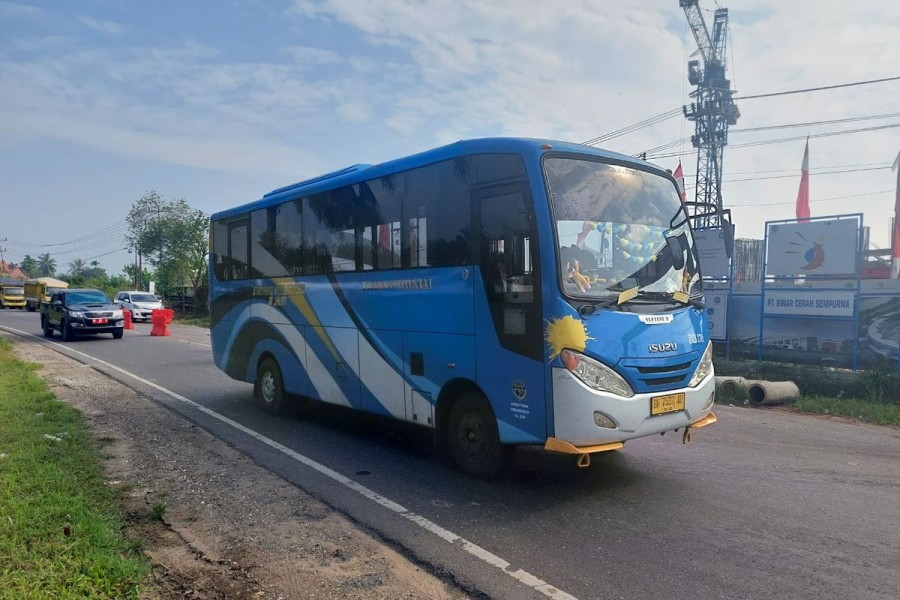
<point>268,388</point>
<point>471,433</point>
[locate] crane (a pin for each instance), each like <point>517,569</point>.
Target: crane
<point>712,109</point>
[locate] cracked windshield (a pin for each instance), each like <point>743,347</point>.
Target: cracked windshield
<point>619,228</point>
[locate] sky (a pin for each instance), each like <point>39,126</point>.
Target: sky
<point>218,102</point>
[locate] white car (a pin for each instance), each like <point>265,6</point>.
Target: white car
<point>140,304</point>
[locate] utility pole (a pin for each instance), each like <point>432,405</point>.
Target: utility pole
<point>3,260</point>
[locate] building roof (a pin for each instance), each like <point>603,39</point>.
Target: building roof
<point>14,273</point>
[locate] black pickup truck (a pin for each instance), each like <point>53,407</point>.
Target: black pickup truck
<point>78,311</point>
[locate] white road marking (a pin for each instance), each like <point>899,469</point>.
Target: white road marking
<point>475,550</point>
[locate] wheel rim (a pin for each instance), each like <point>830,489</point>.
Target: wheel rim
<point>472,437</point>
<point>267,387</point>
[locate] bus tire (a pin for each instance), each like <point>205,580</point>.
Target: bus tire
<point>269,387</point>
<point>473,440</point>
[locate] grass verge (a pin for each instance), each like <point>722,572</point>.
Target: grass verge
<point>198,321</point>
<point>880,413</point>
<point>60,523</point>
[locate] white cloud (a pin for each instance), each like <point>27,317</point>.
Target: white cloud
<point>107,27</point>
<point>15,10</point>
<point>366,81</point>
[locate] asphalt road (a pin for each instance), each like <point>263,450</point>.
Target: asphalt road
<point>763,504</point>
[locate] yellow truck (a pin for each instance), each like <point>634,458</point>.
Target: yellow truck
<point>12,295</point>
<point>38,291</point>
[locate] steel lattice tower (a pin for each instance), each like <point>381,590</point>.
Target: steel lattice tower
<point>712,110</point>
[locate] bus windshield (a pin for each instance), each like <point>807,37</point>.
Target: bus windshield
<point>619,228</point>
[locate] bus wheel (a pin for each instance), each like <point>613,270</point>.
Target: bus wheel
<point>473,440</point>
<point>269,387</point>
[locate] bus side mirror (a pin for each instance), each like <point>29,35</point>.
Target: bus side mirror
<point>676,251</point>
<point>728,231</point>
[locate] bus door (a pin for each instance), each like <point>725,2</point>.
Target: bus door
<point>508,257</point>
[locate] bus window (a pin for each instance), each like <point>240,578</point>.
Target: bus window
<point>239,267</point>
<point>275,246</point>
<point>438,213</point>
<point>508,249</point>
<point>380,209</point>
<point>220,250</point>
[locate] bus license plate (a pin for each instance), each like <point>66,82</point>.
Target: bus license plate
<point>98,321</point>
<point>665,404</point>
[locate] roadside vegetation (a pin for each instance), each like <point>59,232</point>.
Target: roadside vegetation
<point>60,523</point>
<point>871,396</point>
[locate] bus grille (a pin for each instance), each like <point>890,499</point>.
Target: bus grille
<point>656,374</point>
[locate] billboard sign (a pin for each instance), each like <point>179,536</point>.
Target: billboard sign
<point>809,303</point>
<point>711,249</point>
<point>813,248</point>
<point>717,309</point>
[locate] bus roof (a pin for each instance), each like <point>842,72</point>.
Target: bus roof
<point>363,172</point>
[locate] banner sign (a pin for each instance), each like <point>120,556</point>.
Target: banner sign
<point>809,303</point>
<point>711,249</point>
<point>717,309</point>
<point>814,248</point>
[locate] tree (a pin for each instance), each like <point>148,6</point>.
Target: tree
<point>29,266</point>
<point>46,265</point>
<point>172,237</point>
<point>76,267</point>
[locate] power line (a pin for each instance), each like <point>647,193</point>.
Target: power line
<point>116,228</point>
<point>818,200</point>
<point>668,145</point>
<point>817,89</point>
<point>671,113</point>
<point>795,174</point>
<point>815,123</point>
<point>634,127</point>
<point>790,139</point>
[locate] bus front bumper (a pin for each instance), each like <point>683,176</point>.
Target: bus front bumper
<point>576,430</point>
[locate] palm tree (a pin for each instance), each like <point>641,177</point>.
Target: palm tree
<point>76,267</point>
<point>46,265</point>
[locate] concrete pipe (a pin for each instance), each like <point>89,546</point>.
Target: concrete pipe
<point>772,392</point>
<point>731,388</point>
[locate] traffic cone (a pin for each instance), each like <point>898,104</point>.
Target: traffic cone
<point>126,314</point>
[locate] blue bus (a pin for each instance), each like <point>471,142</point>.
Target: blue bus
<point>499,291</point>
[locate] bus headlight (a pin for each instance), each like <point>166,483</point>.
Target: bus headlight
<point>704,368</point>
<point>595,374</point>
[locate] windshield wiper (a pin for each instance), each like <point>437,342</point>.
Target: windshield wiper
<point>633,293</point>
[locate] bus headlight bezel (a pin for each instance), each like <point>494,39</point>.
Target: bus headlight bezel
<point>704,367</point>
<point>595,374</point>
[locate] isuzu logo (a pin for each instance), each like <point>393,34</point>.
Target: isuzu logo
<point>663,347</point>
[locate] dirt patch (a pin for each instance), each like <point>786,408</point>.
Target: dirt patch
<point>215,524</point>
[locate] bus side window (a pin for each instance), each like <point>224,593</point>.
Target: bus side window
<point>437,213</point>
<point>220,249</point>
<point>238,233</point>
<point>506,247</point>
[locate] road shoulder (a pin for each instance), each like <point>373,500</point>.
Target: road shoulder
<point>228,527</point>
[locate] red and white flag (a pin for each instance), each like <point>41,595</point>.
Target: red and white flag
<point>895,255</point>
<point>803,192</point>
<point>679,179</point>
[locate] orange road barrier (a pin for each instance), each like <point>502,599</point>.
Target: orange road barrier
<point>126,314</point>
<point>170,315</point>
<point>160,319</point>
